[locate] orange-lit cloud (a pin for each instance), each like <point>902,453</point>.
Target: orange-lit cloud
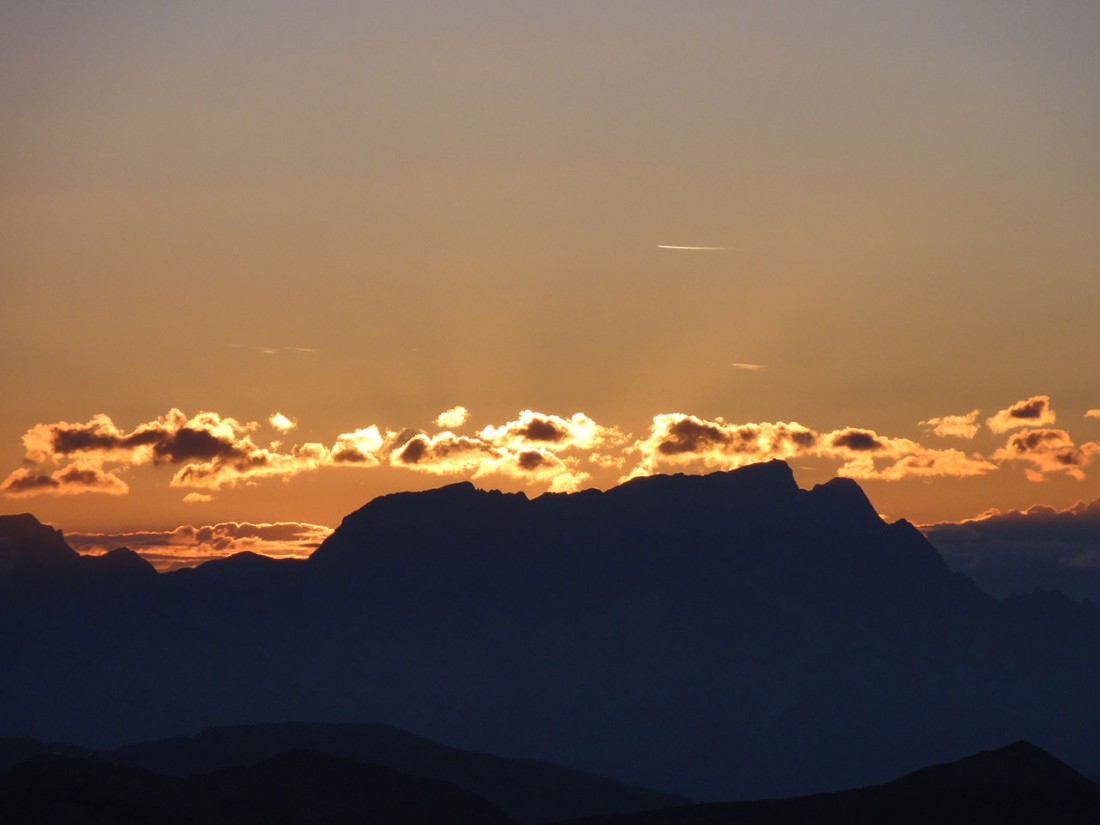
<point>364,447</point>
<point>954,426</point>
<point>449,454</point>
<point>1048,451</point>
<point>248,463</point>
<point>173,438</point>
<point>210,452</point>
<point>1034,412</point>
<point>187,545</point>
<point>749,367</point>
<point>552,432</point>
<point>681,440</point>
<point>535,448</point>
<point>1093,414</point>
<point>280,422</point>
<point>75,479</point>
<point>860,449</point>
<point>454,417</point>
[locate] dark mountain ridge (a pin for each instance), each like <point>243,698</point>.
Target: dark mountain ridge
<point>289,788</point>
<point>717,635</point>
<point>1016,785</point>
<point>529,791</point>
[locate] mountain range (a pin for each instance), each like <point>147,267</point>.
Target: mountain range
<point>728,636</point>
<point>1015,784</point>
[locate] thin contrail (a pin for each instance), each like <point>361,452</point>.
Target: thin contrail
<point>696,248</point>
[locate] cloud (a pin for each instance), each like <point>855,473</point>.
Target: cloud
<point>1048,451</point>
<point>1018,551</point>
<point>210,452</point>
<point>187,545</point>
<point>75,479</point>
<point>1034,412</point>
<point>454,417</point>
<point>696,248</point>
<point>364,447</point>
<point>535,448</point>
<point>172,437</point>
<point>540,429</point>
<point>280,422</point>
<point>680,440</point>
<point>246,467</point>
<point>750,367</point>
<point>214,452</point>
<point>954,426</point>
<point>860,449</point>
<point>274,350</point>
<point>1093,413</point>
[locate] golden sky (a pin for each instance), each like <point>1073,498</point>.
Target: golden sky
<point>361,216</point>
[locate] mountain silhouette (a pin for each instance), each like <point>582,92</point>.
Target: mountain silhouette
<point>1016,785</point>
<point>728,636</point>
<point>290,788</point>
<point>529,791</point>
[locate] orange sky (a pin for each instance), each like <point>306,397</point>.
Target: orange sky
<point>364,215</point>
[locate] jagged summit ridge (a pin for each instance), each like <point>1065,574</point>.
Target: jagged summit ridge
<point>732,507</point>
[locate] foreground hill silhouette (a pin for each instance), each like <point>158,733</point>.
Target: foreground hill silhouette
<point>1019,784</point>
<point>1016,785</point>
<point>288,789</point>
<point>531,792</point>
<point>728,636</point>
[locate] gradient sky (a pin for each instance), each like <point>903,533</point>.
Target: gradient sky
<point>361,214</point>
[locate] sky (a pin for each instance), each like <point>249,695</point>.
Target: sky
<point>262,262</point>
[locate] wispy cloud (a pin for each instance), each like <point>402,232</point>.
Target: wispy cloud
<point>273,350</point>
<point>696,248</point>
<point>954,426</point>
<point>750,367</point>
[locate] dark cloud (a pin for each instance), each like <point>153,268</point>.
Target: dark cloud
<point>859,441</point>
<point>188,444</point>
<point>75,479</point>
<point>22,483</point>
<point>543,429</point>
<point>414,450</point>
<point>532,460</point>
<point>689,435</point>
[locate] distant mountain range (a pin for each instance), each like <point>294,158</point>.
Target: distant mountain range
<point>728,636</point>
<point>1016,785</point>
